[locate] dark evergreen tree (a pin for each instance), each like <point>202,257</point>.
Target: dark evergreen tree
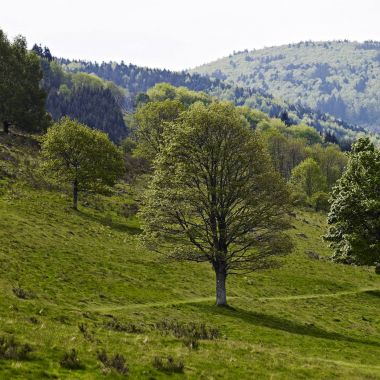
<point>22,100</point>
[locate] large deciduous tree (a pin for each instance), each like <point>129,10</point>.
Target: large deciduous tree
<point>354,217</point>
<point>214,196</point>
<point>84,157</point>
<point>22,100</point>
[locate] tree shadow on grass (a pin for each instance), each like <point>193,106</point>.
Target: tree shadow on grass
<point>281,324</point>
<point>374,293</point>
<point>108,222</point>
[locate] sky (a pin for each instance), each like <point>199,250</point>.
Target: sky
<point>181,34</point>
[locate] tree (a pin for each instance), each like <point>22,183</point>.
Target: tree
<point>331,160</point>
<point>85,158</point>
<point>22,100</point>
<point>150,120</point>
<point>354,218</point>
<point>307,176</point>
<point>214,196</point>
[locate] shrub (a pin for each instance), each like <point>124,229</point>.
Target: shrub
<point>191,343</point>
<point>129,210</point>
<point>70,360</point>
<point>12,350</point>
<point>320,201</point>
<point>168,365</point>
<point>23,294</point>
<point>86,334</point>
<point>299,199</point>
<point>189,330</point>
<point>116,362</point>
<point>115,325</point>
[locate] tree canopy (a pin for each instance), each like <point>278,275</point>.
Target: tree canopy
<point>22,100</point>
<point>308,177</point>
<point>354,231</point>
<point>83,157</point>
<point>214,196</point>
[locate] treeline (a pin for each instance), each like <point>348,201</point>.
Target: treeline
<point>87,98</point>
<point>137,79</point>
<point>338,130</point>
<point>335,77</point>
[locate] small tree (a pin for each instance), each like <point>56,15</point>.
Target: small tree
<point>214,196</point>
<point>308,177</point>
<point>354,217</point>
<point>84,157</point>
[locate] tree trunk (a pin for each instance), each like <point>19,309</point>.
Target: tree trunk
<point>6,125</point>
<point>75,195</point>
<point>221,275</point>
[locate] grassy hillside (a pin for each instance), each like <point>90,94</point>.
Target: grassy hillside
<point>337,77</point>
<point>80,280</point>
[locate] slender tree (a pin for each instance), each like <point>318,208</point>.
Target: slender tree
<point>214,196</point>
<point>84,157</point>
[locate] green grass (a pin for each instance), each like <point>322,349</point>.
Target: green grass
<point>309,319</point>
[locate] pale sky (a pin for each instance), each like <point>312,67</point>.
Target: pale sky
<point>177,34</point>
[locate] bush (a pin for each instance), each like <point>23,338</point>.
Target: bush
<point>115,325</point>
<point>320,201</point>
<point>191,343</point>
<point>12,350</point>
<point>116,362</point>
<point>70,360</point>
<point>86,333</point>
<point>299,199</point>
<point>188,330</point>
<point>168,365</point>
<point>23,294</point>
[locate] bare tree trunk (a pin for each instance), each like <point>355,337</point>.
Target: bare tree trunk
<point>221,275</point>
<point>75,195</point>
<point>6,125</point>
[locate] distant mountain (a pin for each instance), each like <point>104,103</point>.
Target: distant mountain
<point>135,79</point>
<point>341,78</point>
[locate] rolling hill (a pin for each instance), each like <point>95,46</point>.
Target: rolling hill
<point>80,280</point>
<point>341,78</point>
<point>134,80</point>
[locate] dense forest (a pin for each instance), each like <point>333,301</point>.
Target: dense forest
<point>136,80</point>
<point>336,77</point>
<point>93,101</point>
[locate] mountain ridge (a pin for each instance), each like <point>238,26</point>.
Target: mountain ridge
<point>337,77</point>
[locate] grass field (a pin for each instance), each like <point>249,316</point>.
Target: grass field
<point>80,280</point>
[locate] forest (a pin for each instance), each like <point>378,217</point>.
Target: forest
<point>336,77</point>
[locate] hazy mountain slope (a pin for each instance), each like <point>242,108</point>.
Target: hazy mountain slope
<point>341,78</point>
<point>137,79</point>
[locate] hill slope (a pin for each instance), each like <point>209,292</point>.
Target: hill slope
<point>135,79</point>
<point>80,280</point>
<point>337,77</point>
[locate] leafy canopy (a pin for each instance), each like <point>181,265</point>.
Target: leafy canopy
<point>354,230</point>
<point>214,196</point>
<point>22,101</point>
<point>308,177</point>
<point>75,153</point>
